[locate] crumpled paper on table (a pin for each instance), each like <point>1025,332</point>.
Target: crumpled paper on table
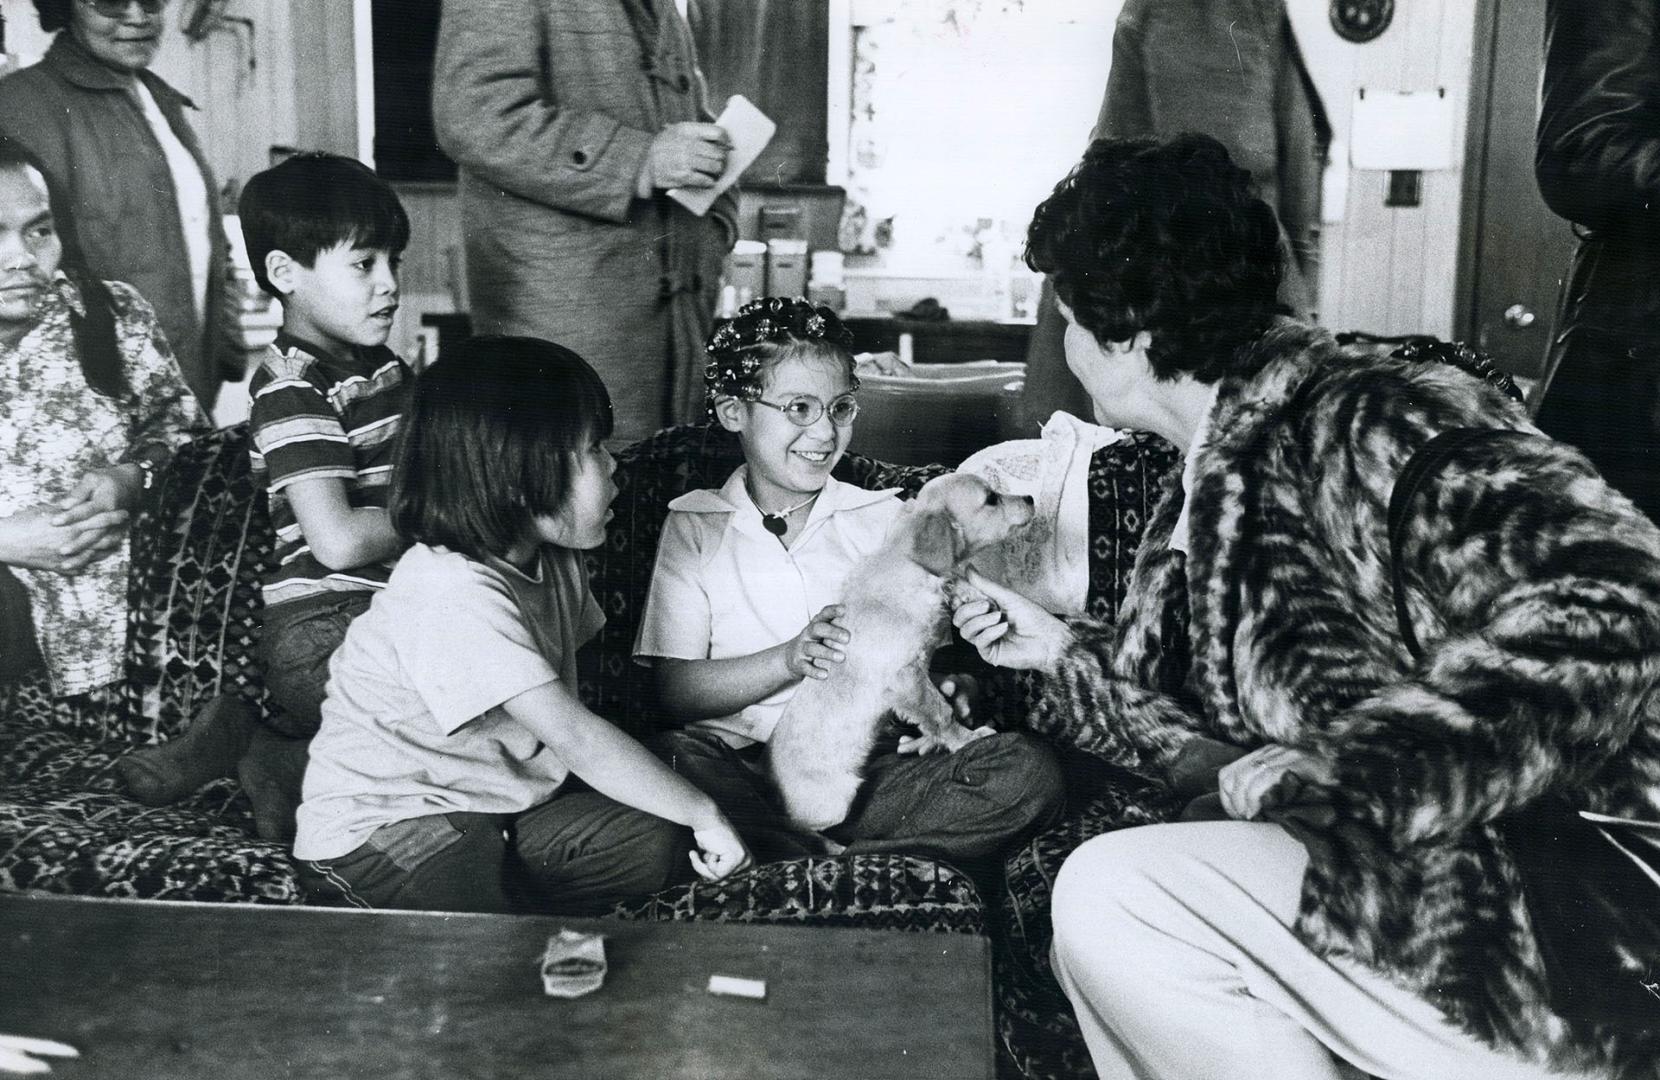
<point>573,964</point>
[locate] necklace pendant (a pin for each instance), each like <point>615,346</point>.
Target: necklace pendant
<point>774,524</point>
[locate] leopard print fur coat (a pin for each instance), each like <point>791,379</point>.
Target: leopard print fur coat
<point>1535,590</point>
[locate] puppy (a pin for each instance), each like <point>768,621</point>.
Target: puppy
<point>896,608</point>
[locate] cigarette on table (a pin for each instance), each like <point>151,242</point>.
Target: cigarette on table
<point>733,986</point>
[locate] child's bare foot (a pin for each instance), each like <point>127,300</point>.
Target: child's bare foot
<point>271,773</point>
<point>209,748</point>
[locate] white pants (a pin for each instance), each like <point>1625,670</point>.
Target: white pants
<point>1174,943</point>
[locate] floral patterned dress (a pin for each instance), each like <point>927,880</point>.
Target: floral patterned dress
<point>53,430</point>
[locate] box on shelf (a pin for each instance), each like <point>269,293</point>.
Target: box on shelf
<point>786,267</point>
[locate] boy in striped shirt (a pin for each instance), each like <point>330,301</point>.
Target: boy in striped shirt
<point>325,235</point>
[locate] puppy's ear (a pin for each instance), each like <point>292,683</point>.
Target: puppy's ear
<point>935,543</point>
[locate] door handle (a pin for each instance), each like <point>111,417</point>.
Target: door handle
<point>1520,316</point>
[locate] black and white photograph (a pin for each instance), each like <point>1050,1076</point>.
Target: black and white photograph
<point>830,539</point>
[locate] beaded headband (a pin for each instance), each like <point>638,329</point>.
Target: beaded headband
<point>735,359</point>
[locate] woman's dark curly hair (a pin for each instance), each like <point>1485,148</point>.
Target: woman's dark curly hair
<point>764,332</point>
<point>53,14</point>
<point>1167,237</point>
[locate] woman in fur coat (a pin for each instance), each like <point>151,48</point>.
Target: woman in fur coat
<point>1358,907</point>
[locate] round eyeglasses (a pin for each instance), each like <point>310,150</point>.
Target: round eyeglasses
<point>803,410</point>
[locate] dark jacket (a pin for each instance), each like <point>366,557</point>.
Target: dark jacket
<point>79,118</point>
<point>1598,164</point>
<point>1535,590</point>
<point>549,107</point>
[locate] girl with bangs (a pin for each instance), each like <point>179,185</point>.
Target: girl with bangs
<point>443,775</point>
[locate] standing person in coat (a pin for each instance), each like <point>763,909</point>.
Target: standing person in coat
<point>145,201</point>
<point>1360,902</point>
<point>570,120</point>
<point>1229,69</point>
<point>1598,164</point>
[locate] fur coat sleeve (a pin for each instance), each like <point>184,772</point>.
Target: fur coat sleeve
<point>1536,590</point>
<point>1117,692</point>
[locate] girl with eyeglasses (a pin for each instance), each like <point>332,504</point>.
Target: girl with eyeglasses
<point>144,198</point>
<point>743,606</point>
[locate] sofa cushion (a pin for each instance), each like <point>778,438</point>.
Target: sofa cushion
<point>874,892</point>
<point>193,593</point>
<point>66,839</point>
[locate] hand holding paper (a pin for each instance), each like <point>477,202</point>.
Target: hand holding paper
<point>748,130</point>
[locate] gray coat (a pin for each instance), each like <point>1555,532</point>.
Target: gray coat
<point>78,118</point>
<point>549,107</point>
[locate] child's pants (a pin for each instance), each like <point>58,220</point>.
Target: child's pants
<point>295,645</point>
<point>577,854</point>
<point>964,807</point>
<point>1174,943</point>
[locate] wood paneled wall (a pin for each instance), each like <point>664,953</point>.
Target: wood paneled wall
<point>1392,270</point>
<point>1384,269</point>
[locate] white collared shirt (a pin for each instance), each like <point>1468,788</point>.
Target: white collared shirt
<point>1190,470</point>
<point>725,587</point>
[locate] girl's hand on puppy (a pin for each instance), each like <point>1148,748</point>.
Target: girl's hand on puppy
<point>810,653</point>
<point>719,852</point>
<point>1009,630</point>
<point>963,693</point>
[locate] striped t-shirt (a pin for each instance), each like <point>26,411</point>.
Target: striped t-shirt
<point>314,416</point>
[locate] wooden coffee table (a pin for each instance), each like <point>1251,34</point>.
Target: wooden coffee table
<point>151,989</point>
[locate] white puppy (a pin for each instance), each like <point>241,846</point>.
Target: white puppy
<point>896,610</point>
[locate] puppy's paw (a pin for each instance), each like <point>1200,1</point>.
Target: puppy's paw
<point>945,740</point>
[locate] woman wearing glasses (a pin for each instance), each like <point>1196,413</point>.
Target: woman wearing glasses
<point>743,606</point>
<point>143,197</point>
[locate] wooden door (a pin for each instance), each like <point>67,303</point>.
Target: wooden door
<point>1514,251</point>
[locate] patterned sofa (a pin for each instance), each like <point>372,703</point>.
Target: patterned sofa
<point>195,620</point>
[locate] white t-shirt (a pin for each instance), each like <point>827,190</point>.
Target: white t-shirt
<point>726,587</point>
<point>413,724</point>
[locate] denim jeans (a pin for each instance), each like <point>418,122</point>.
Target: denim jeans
<point>298,640</point>
<point>965,807</point>
<point>579,853</point>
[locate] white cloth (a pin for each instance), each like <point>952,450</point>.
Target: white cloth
<point>1190,471</point>
<point>190,190</point>
<point>413,724</point>
<point>1048,561</point>
<point>1175,945</point>
<point>725,587</point>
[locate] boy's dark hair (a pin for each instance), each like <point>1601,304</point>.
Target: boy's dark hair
<point>94,326</point>
<point>487,442</point>
<point>313,202</point>
<point>53,14</point>
<point>1167,237</point>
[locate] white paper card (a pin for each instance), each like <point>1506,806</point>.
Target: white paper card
<point>1399,131</point>
<point>733,986</point>
<point>749,130</point>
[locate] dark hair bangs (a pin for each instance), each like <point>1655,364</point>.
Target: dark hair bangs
<point>488,442</point>
<point>314,202</point>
